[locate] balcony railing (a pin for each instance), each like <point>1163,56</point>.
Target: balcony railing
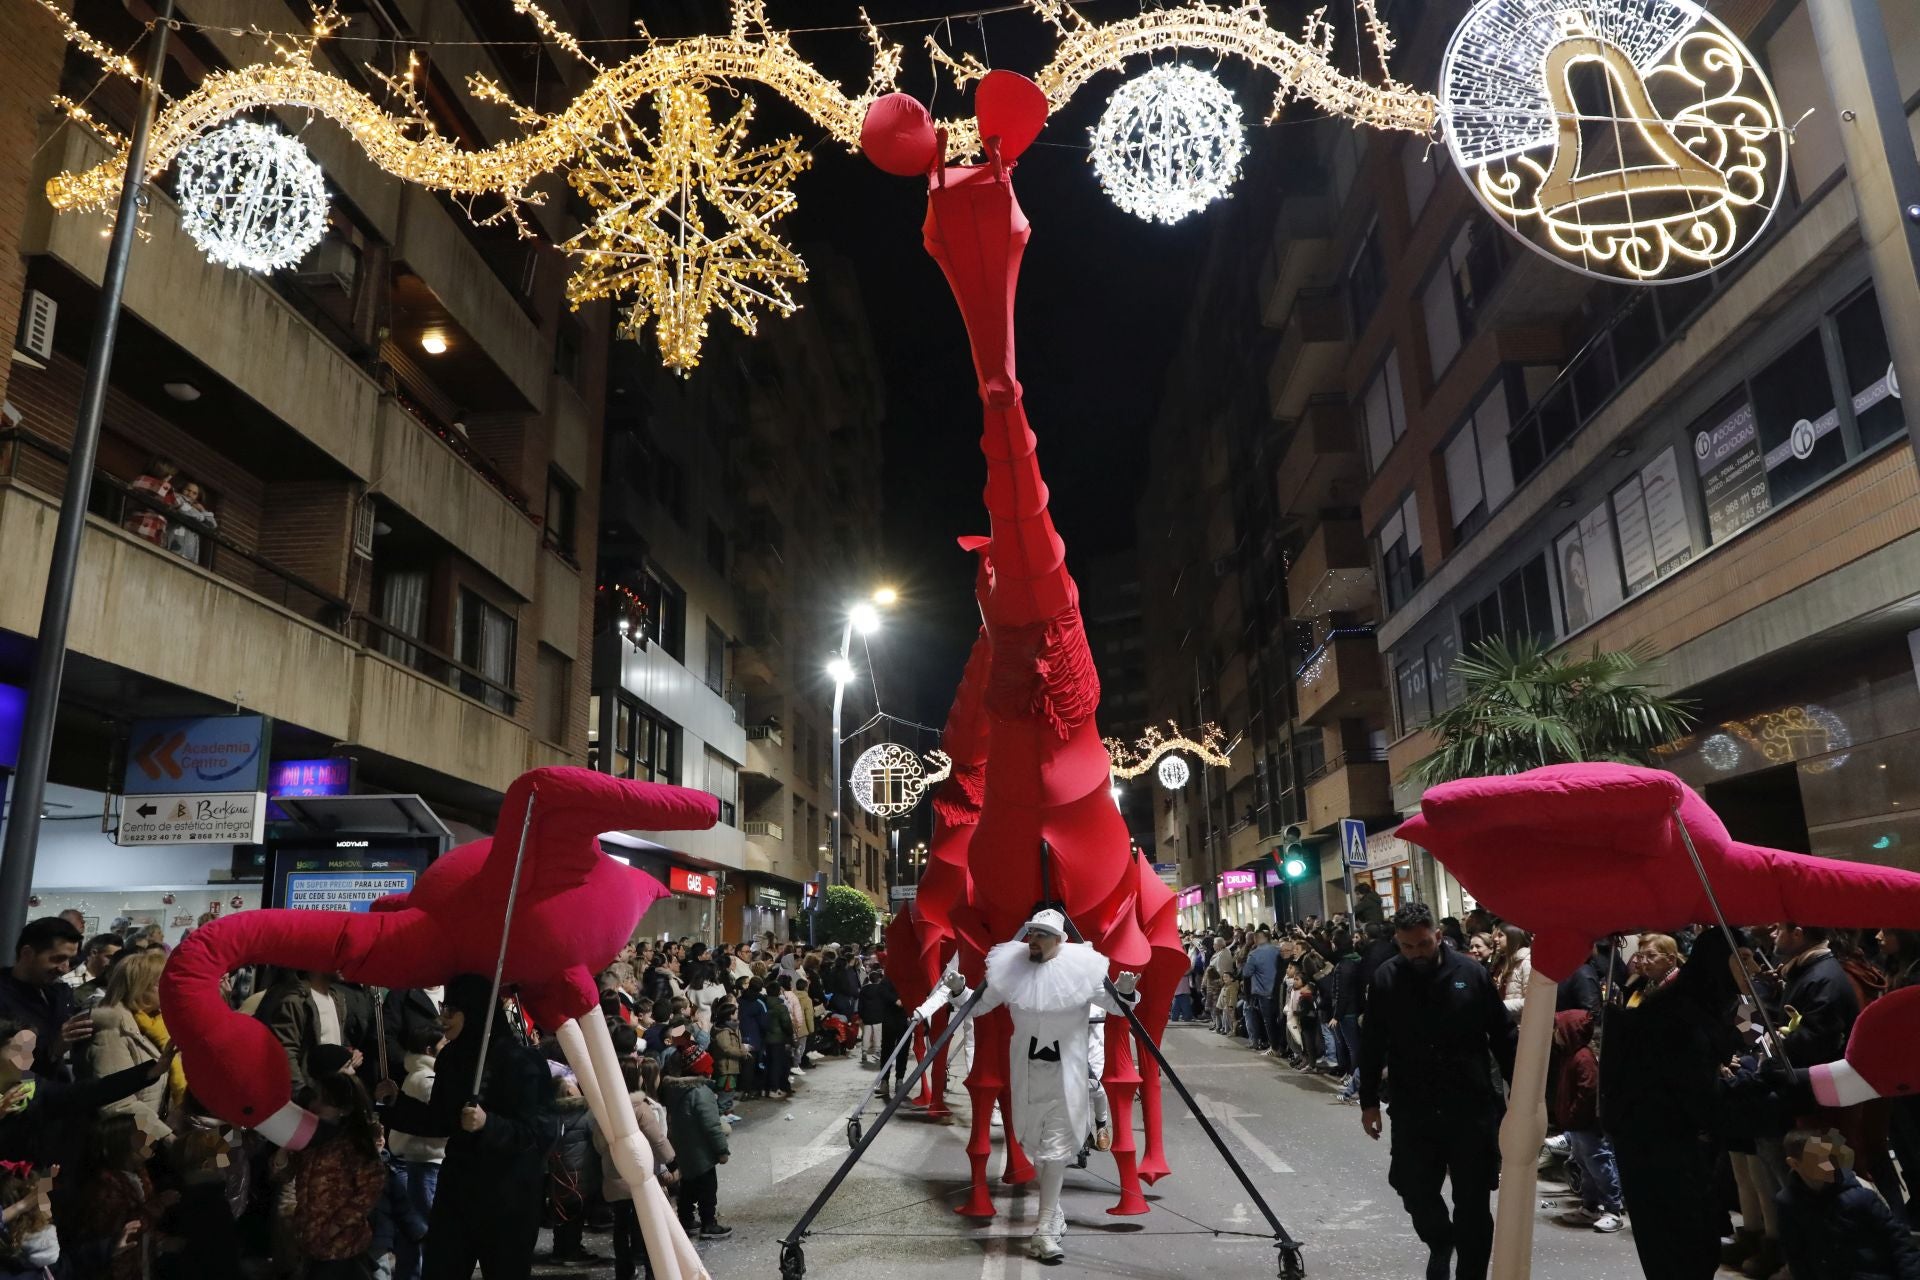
<point>410,651</point>
<point>463,449</point>
<point>43,464</point>
<point>1335,764</point>
<point>771,830</point>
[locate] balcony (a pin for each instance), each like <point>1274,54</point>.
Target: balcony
<point>1302,256</point>
<point>1355,785</point>
<point>1343,678</point>
<point>1333,573</point>
<point>430,480</point>
<point>765,830</point>
<point>1244,842</point>
<point>1312,357</point>
<point>1322,467</point>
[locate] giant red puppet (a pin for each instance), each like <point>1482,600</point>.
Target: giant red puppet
<point>574,909</point>
<point>1579,852</point>
<point>1047,773</point>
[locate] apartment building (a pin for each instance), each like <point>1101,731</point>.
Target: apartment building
<point>1111,604</point>
<point>1717,467</point>
<point>400,441</point>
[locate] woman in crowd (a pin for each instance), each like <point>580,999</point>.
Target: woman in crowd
<point>338,1180</point>
<point>1513,967</point>
<point>128,1032</point>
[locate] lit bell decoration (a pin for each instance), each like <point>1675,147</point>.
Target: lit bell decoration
<point>1631,142</point>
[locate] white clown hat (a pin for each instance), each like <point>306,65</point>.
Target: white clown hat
<point>1048,921</point>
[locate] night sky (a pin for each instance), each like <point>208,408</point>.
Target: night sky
<point>1101,293</point>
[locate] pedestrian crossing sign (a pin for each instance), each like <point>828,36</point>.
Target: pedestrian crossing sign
<point>1353,842</point>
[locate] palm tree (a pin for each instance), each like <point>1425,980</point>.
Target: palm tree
<point>1524,708</point>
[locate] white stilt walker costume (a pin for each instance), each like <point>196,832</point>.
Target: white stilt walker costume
<point>1047,984</point>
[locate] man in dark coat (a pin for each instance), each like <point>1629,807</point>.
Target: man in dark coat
<point>1820,1001</point>
<point>1436,1024</point>
<point>34,994</point>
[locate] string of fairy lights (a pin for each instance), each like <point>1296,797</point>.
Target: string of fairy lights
<point>685,205</point>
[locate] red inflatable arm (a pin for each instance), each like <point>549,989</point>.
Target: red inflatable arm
<point>576,909</point>
<point>1578,852</point>
<point>1880,1061</point>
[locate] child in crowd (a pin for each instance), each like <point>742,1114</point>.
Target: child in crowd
<point>1833,1228</point>
<point>731,1054</point>
<point>1577,1104</point>
<point>338,1180</point>
<point>29,1246</point>
<point>643,1077</point>
<point>117,1213</point>
<point>698,1136</point>
<point>416,1168</point>
<point>572,1175</point>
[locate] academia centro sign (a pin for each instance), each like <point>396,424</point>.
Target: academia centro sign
<point>208,753</point>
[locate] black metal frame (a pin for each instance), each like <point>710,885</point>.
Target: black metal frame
<point>793,1262</point>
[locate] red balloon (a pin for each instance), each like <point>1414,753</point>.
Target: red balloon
<point>1012,108</point>
<point>897,136</point>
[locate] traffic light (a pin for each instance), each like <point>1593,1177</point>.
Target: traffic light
<point>1296,861</point>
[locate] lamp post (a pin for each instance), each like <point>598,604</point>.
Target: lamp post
<point>864,616</point>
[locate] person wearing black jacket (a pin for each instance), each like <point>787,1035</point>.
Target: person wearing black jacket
<point>1820,1000</point>
<point>411,1018</point>
<point>33,993</point>
<point>1376,951</point>
<point>487,1208</point>
<point>876,998</point>
<point>43,1119</point>
<point>1435,1023</point>
<point>1659,1098</point>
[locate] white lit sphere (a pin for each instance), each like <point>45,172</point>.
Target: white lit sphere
<point>1173,772</point>
<point>251,197</point>
<point>1169,143</point>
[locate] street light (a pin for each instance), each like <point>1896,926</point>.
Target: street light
<point>864,615</point>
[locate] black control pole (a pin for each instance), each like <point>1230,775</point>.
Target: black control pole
<point>56,607</point>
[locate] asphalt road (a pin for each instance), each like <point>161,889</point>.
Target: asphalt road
<point>894,1214</point>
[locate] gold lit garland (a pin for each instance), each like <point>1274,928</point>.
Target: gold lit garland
<point>589,134</point>
<point>1131,762</point>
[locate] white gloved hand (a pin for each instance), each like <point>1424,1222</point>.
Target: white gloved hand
<point>1126,983</point>
<point>955,985</point>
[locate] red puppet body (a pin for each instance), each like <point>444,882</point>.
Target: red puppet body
<point>1047,776</point>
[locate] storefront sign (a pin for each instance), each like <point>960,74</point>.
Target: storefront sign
<point>212,753</point>
<point>220,817</point>
<point>773,899</point>
<point>904,892</point>
<point>13,715</point>
<point>1169,872</point>
<point>344,890</point>
<point>331,777</point>
<point>1193,897</point>
<point>697,883</point>
<point>1733,475</point>
<point>1238,881</point>
<point>1386,850</point>
<point>1273,878</point>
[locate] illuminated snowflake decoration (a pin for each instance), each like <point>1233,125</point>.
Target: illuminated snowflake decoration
<point>1637,142</point>
<point>684,222</point>
<point>1169,144</point>
<point>888,780</point>
<point>251,197</point>
<point>1173,772</point>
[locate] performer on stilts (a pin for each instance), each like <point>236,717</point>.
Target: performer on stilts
<point>1047,984</point>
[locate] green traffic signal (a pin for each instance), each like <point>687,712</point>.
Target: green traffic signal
<point>1295,868</point>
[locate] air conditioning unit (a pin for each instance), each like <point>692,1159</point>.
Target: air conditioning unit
<point>363,520</point>
<point>36,325</point>
<point>332,262</point>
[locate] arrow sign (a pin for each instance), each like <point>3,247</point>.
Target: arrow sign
<point>155,756</point>
<point>146,811</point>
<point>1229,1116</point>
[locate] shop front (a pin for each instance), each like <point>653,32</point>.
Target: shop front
<point>1192,905</point>
<point>1243,905</point>
<point>770,907</point>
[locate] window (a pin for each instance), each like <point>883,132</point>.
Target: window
<point>550,693</point>
<point>669,486</point>
<point>645,746</point>
<point>484,643</point>
<point>1400,563</point>
<point>563,498</point>
<point>1366,280</point>
<point>716,658</point>
<point>716,547</point>
<point>1520,607</point>
<point>1589,561</point>
<point>1459,289</point>
<point>1383,411</point>
<point>566,350</point>
<point>1870,379</point>
<point>663,612</point>
<point>1479,474</point>
<point>1651,518</point>
<point>1410,682</point>
<point>723,782</point>
<point>1798,420</point>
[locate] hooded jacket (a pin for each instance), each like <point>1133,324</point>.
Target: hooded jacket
<point>693,1124</point>
<point>1577,1093</point>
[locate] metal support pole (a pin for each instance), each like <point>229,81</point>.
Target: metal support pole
<point>886,1066</point>
<point>56,607</point>
<point>1774,1047</point>
<point>506,930</point>
<point>793,1262</point>
<point>839,784</point>
<point>1858,62</point>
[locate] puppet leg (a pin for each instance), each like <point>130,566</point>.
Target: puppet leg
<point>1122,1080</point>
<point>1153,1165</point>
<point>984,1085</point>
<point>589,1050</point>
<point>920,1052</point>
<point>1522,1131</point>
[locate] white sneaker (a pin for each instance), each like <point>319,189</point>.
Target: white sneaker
<point>1609,1222</point>
<point>1045,1248</point>
<point>1557,1144</point>
<point>1581,1217</point>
